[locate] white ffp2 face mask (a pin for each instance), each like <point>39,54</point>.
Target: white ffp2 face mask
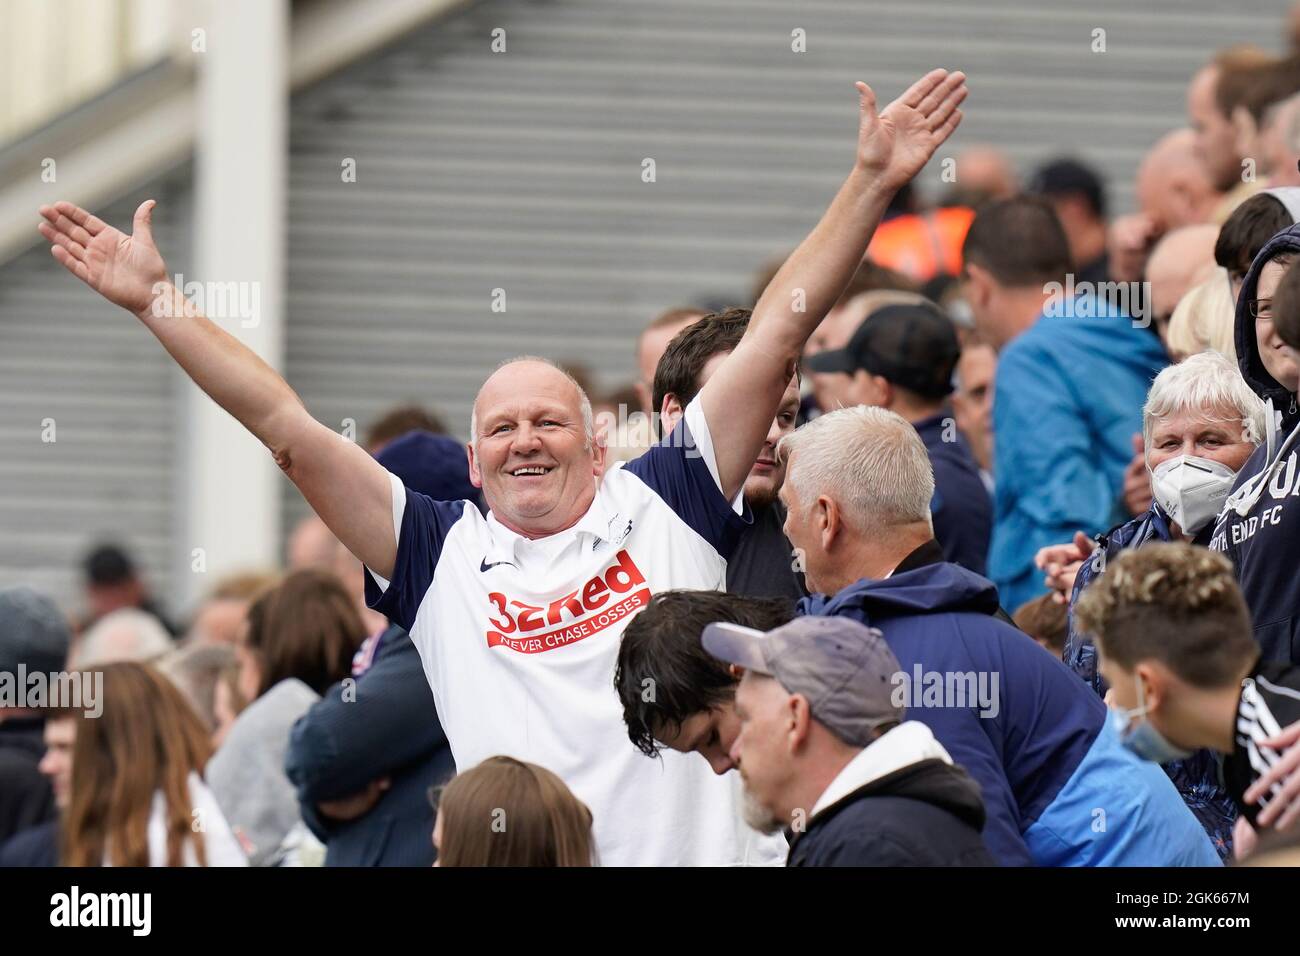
<point>1191,490</point>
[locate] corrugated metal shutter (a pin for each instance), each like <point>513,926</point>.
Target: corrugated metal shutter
<point>67,355</point>
<point>522,171</point>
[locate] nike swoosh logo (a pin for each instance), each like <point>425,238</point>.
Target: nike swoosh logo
<point>484,566</point>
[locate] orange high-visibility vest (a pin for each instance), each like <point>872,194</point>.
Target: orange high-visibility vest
<point>923,245</point>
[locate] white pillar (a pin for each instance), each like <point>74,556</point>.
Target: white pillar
<point>228,503</point>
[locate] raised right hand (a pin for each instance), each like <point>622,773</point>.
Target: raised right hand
<point>1061,563</point>
<point>894,144</point>
<point>126,270</point>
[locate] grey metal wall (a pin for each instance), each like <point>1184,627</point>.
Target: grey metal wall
<point>69,356</point>
<point>522,171</point>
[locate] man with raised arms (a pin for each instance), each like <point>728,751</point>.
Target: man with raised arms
<point>517,615</point>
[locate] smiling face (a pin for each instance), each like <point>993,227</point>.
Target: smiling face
<point>1273,353</point>
<point>531,453</point>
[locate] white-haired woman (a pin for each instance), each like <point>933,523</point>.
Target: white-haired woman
<point>1201,422</point>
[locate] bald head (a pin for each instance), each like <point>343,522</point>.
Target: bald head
<point>1181,260</point>
<point>528,374</point>
<point>533,448</point>
<point>986,170</point>
<point>311,545</point>
<point>1173,187</point>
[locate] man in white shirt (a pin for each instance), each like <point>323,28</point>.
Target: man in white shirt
<point>517,616</point>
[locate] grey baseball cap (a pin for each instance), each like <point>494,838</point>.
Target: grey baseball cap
<point>844,669</point>
<point>32,632</point>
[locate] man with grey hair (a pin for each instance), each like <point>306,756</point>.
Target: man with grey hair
<point>902,357</point>
<point>857,492</point>
<point>517,614</point>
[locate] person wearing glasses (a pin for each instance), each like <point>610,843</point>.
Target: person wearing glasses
<point>1259,525</point>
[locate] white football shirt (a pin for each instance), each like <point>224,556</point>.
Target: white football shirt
<point>519,640</point>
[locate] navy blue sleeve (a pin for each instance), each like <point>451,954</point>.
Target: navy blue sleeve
<point>425,526</point>
<point>961,508</point>
<point>339,746</point>
<point>677,470</point>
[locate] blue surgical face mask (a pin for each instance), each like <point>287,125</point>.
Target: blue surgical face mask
<point>1143,739</point>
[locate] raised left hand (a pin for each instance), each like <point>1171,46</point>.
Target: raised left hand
<point>894,144</point>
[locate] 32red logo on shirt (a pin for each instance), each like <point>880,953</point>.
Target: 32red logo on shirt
<point>591,608</point>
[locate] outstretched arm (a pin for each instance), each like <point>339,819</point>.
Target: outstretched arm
<point>346,487</point>
<point>740,400</point>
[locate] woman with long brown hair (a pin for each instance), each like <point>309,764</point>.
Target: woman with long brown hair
<point>506,812</point>
<point>137,797</point>
<point>298,642</point>
<point>306,626</point>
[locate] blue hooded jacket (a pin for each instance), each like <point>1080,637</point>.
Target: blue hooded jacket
<point>1067,401</point>
<point>1058,787</point>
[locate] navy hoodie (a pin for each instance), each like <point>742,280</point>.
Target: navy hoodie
<point>1259,528</point>
<point>1058,787</point>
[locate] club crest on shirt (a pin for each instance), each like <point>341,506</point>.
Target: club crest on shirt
<point>604,599</point>
<point>615,539</point>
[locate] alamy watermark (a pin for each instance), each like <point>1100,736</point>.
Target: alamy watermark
<point>958,689</point>
<point>1088,300</point>
<point>133,911</point>
<point>216,300</point>
<point>63,690</point>
<point>632,427</point>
